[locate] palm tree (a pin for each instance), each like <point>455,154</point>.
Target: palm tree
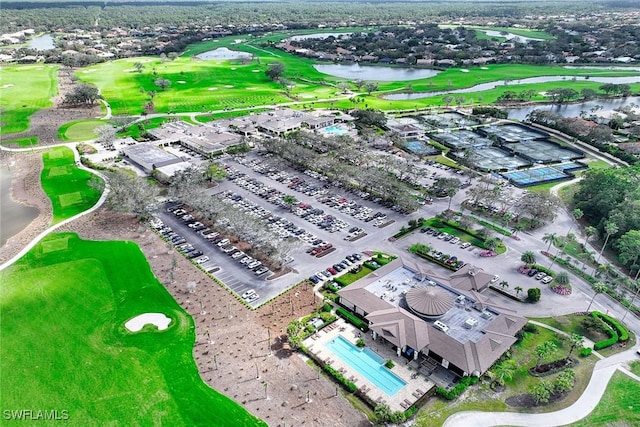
<point>577,214</point>
<point>504,371</point>
<point>290,201</point>
<point>544,350</point>
<point>562,278</point>
<point>504,284</point>
<point>518,289</point>
<point>610,228</point>
<point>491,243</point>
<point>598,288</point>
<point>636,285</point>
<point>528,258</point>
<point>575,340</point>
<point>551,238</point>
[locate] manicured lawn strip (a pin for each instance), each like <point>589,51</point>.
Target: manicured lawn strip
<point>79,130</point>
<point>635,367</point>
<point>21,142</point>
<point>619,404</point>
<point>349,278</point>
<point>135,130</point>
<point>65,184</point>
<point>64,305</point>
<point>25,90</point>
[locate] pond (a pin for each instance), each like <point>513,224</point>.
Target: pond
<point>223,54</point>
<point>493,85</point>
<point>319,36</point>
<point>375,73</point>
<point>43,42</point>
<point>574,110</point>
<point>14,217</point>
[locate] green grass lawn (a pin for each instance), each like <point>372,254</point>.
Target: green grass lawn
<point>620,404</point>
<point>21,142</point>
<point>64,345</point>
<point>24,89</point>
<point>65,184</point>
<point>80,130</point>
<point>635,367</point>
<point>349,278</point>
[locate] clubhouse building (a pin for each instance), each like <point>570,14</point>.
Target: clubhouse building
<point>433,319</point>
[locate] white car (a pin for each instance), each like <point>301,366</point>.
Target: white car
<point>248,293</point>
<point>495,278</point>
<point>547,280</point>
<point>253,297</point>
<point>202,259</point>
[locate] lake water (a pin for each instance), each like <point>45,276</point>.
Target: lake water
<point>573,110</point>
<point>375,73</point>
<point>14,217</point>
<point>222,53</point>
<point>493,85</point>
<point>319,36</point>
<point>43,42</point>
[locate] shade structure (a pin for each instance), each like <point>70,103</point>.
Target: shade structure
<point>429,301</point>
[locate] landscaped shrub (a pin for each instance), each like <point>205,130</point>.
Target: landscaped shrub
<point>360,343</point>
<point>353,319</point>
<point>533,295</point>
<point>327,307</point>
<point>389,364</point>
<point>613,338</point>
<point>458,389</point>
<point>494,227</point>
<point>586,351</point>
<point>623,334</point>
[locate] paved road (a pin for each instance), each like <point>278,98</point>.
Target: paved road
<point>600,377</point>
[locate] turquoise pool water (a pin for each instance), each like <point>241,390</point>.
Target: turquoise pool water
<point>334,130</point>
<point>367,363</point>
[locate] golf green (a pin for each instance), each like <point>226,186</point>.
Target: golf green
<point>66,185</point>
<point>65,347</point>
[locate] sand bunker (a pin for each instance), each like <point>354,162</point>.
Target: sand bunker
<point>464,70</point>
<point>213,88</point>
<point>252,88</point>
<point>307,96</point>
<point>255,71</point>
<point>88,71</point>
<point>181,82</point>
<point>6,86</point>
<point>157,319</point>
<point>129,70</point>
<point>233,68</point>
<point>484,68</point>
<point>228,86</point>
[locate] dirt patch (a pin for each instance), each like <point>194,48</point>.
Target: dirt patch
<point>237,350</point>
<point>527,401</point>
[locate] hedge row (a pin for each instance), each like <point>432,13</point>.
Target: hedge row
<point>353,319</point>
<point>458,389</point>
<point>623,333</point>
<point>613,338</point>
<point>436,261</point>
<point>507,294</point>
<point>351,387</point>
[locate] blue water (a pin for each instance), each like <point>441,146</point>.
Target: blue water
<point>368,364</point>
<point>334,130</point>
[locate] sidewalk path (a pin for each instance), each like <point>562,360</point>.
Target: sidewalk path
<point>602,373</point>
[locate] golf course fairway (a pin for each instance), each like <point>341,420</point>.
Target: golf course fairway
<point>63,308</point>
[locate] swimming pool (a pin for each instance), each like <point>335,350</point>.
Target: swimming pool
<point>334,130</point>
<point>367,363</point>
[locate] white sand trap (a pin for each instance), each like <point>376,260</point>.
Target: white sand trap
<point>307,96</point>
<point>484,68</point>
<point>252,88</point>
<point>181,82</point>
<point>213,88</point>
<point>88,71</point>
<point>464,70</point>
<point>6,86</point>
<point>129,70</point>
<point>228,86</point>
<point>543,94</point>
<point>233,68</point>
<point>138,322</point>
<point>255,71</point>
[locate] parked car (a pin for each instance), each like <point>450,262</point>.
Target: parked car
<point>546,280</point>
<point>495,278</point>
<point>540,275</point>
<point>248,293</point>
<point>532,272</point>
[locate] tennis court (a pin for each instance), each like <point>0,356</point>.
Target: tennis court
<point>448,120</point>
<point>514,133</point>
<point>495,159</point>
<point>543,151</point>
<point>541,174</point>
<point>460,140</point>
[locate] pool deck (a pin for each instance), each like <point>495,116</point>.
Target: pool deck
<point>417,384</point>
